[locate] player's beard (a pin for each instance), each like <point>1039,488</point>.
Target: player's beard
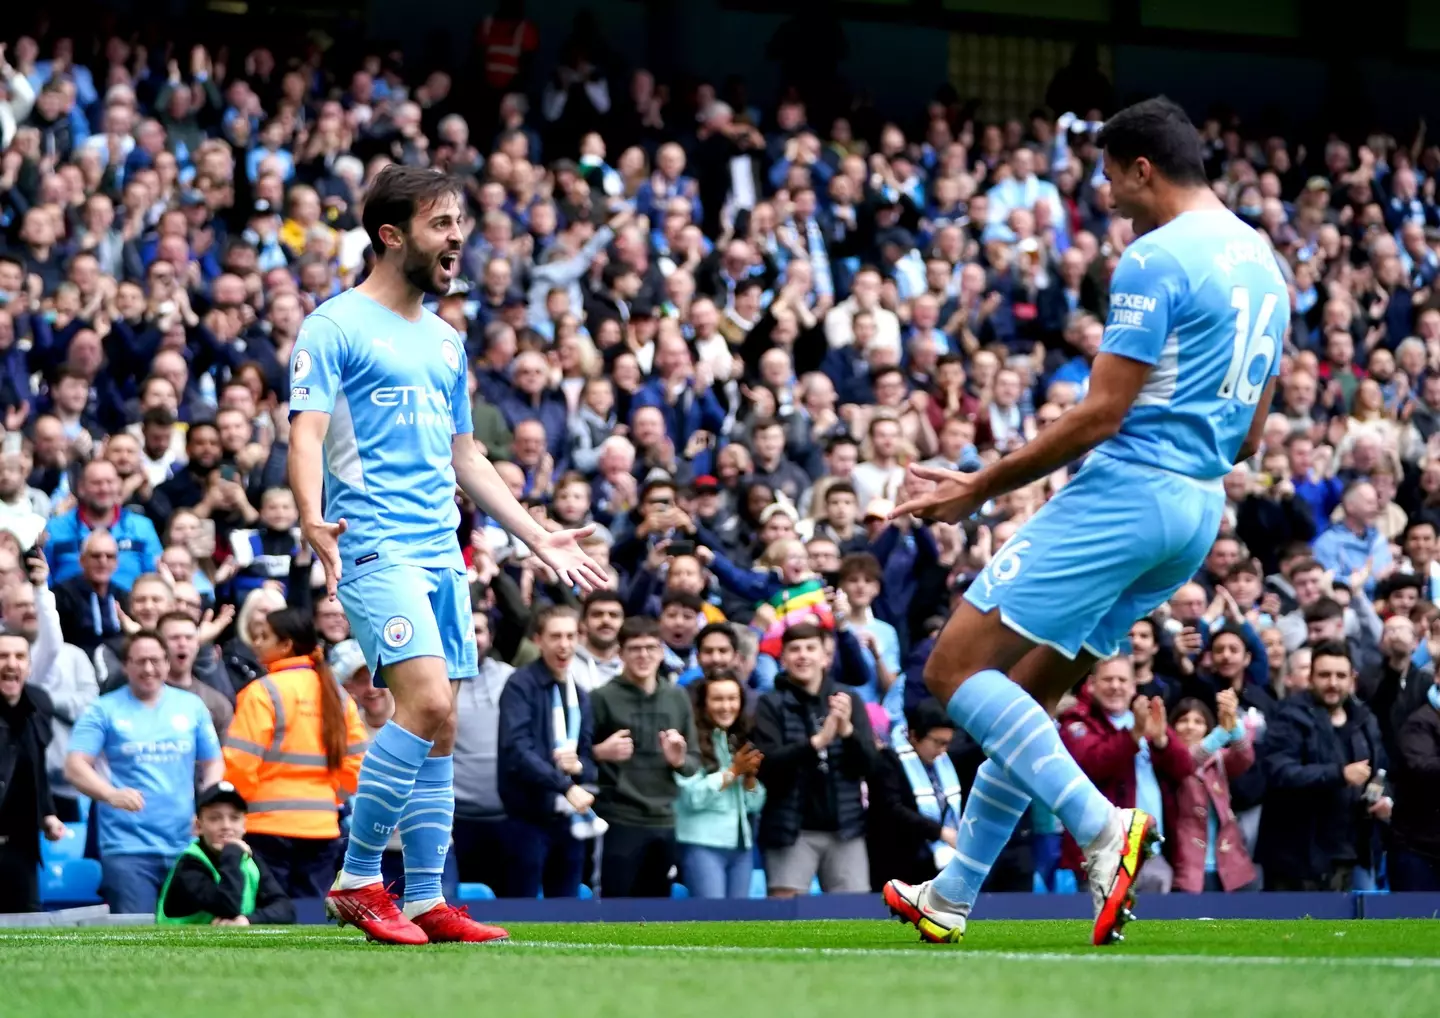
<point>423,272</point>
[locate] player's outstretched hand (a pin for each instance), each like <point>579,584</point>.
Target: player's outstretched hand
<point>560,550</point>
<point>324,539</point>
<point>948,496</point>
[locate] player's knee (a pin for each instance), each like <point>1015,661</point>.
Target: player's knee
<point>431,711</point>
<point>444,736</point>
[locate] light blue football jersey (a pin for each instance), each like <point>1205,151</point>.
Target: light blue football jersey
<point>1203,301</point>
<point>397,394</point>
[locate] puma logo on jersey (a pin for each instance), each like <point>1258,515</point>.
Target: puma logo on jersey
<point>1142,259</point>
<point>386,344</point>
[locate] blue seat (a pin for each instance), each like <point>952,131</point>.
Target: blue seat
<point>815,886</point>
<point>759,887</point>
<point>72,846</point>
<point>1065,882</point>
<point>585,893</point>
<point>476,892</point>
<point>679,891</point>
<point>69,883</point>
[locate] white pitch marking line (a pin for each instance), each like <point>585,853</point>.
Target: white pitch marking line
<point>950,956</point>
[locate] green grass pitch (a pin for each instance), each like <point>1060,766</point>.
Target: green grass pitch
<point>698,970</point>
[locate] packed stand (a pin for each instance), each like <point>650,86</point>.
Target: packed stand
<point>720,333</point>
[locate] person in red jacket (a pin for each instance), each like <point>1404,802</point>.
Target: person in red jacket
<point>1208,853</point>
<point>1122,743</point>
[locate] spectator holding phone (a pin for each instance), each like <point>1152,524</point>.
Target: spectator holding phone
<point>718,803</point>
<point>1210,855</point>
<point>1323,753</point>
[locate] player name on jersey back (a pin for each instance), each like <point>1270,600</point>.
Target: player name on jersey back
<point>1202,301</point>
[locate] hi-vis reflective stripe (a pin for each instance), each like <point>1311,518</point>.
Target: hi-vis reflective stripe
<point>300,759</point>
<point>291,805</point>
<point>245,746</point>
<point>356,748</point>
<point>273,754</point>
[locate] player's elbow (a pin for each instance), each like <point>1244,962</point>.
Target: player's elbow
<point>1104,422</point>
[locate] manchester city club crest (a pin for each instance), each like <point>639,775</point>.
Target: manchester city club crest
<point>397,631</point>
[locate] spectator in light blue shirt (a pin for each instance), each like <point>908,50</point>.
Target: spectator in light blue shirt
<point>860,582</point>
<point>1021,190</point>
<point>1354,544</point>
<point>154,739</point>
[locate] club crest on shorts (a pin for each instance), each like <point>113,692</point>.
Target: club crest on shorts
<point>301,367</point>
<point>397,631</point>
<point>451,353</point>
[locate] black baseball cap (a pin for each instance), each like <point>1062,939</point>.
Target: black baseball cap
<point>221,791</point>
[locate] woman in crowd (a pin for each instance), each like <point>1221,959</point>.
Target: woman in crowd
<point>1209,851</point>
<point>296,740</point>
<point>713,813</point>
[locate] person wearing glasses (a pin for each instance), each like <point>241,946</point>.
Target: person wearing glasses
<point>91,604</point>
<point>644,738</point>
<point>158,743</point>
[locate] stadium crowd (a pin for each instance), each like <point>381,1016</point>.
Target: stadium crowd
<point>720,333</point>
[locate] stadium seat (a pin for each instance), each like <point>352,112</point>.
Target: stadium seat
<point>1065,882</point>
<point>759,888</point>
<point>69,883</point>
<point>679,891</point>
<point>72,846</point>
<point>815,886</point>
<point>476,892</point>
<point>585,893</point>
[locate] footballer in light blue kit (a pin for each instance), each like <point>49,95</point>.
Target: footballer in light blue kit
<point>380,411</point>
<point>1179,391</point>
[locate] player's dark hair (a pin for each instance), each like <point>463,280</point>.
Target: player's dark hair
<point>926,716</point>
<point>298,629</point>
<point>397,193</point>
<point>638,627</point>
<point>1159,131</point>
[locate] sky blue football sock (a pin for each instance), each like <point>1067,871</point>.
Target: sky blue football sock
<point>994,807</point>
<point>387,778</point>
<point>1015,730</point>
<point>425,828</point>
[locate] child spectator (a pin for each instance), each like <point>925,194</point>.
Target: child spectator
<point>1211,856</point>
<point>266,553</point>
<point>218,880</point>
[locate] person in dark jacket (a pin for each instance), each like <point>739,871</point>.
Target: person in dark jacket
<point>26,806</point>
<point>1323,750</point>
<point>914,800</point>
<point>644,738</point>
<point>90,605</point>
<point>1397,687</point>
<point>188,488</point>
<point>546,757</point>
<point>818,748</point>
<point>217,880</point>
<point>1414,860</point>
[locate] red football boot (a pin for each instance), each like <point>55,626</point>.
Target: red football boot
<point>449,924</point>
<point>371,909</point>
